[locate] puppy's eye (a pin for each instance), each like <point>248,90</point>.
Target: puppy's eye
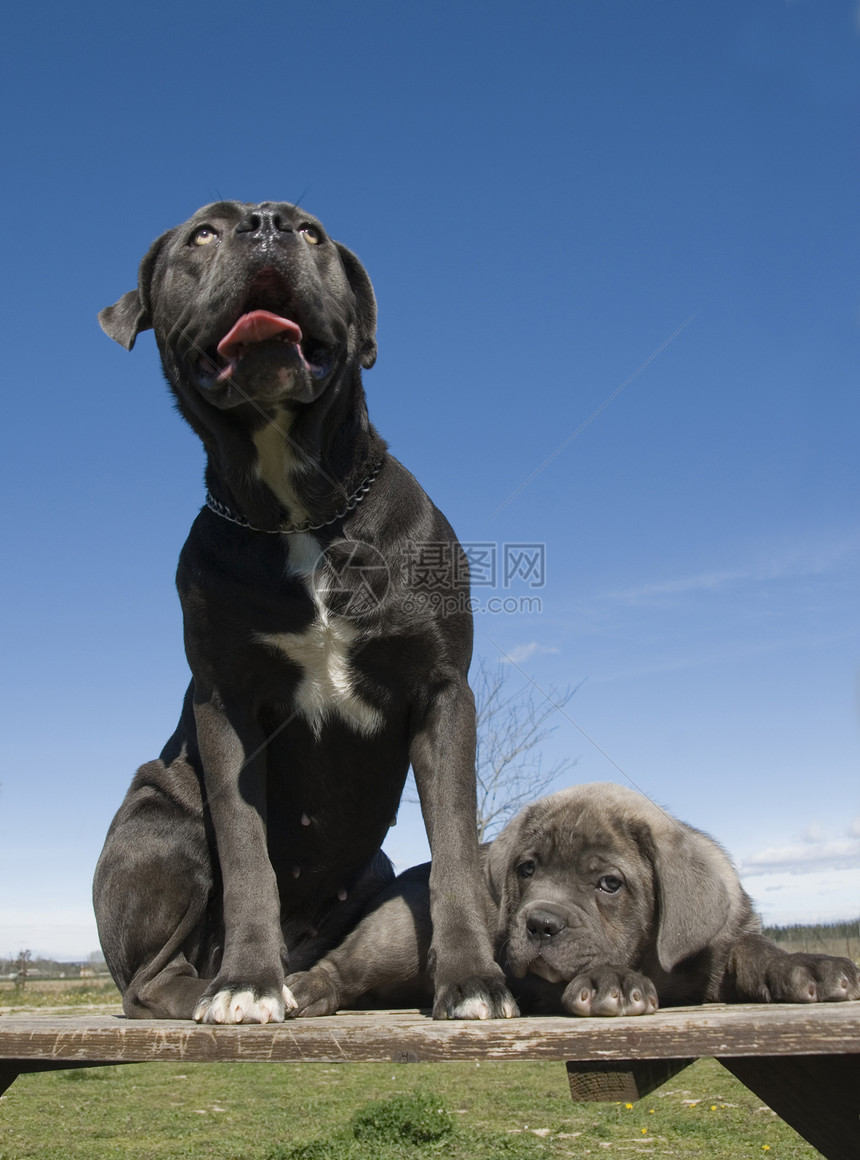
<point>204,236</point>
<point>311,234</point>
<point>609,884</point>
<point>526,869</point>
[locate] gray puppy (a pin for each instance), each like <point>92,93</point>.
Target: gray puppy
<point>601,904</point>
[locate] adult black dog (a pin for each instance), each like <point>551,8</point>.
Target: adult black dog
<point>325,656</point>
<point>601,904</point>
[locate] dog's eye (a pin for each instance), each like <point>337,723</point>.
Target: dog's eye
<point>609,884</point>
<point>526,869</point>
<point>311,234</point>
<point>204,236</point>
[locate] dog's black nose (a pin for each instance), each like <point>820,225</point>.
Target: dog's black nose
<point>262,221</point>
<point>544,924</point>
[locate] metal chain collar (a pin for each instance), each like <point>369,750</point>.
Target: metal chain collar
<point>221,509</point>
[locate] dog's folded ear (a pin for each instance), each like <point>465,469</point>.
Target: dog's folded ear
<point>124,321</point>
<point>500,871</point>
<point>697,893</point>
<point>365,301</point>
<point>498,866</point>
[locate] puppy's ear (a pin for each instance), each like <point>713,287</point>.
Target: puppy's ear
<point>698,892</point>
<point>500,870</point>
<point>365,301</point>
<point>124,321</point>
<point>499,864</point>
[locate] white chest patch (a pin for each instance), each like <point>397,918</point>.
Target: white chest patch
<point>276,466</point>
<point>322,652</point>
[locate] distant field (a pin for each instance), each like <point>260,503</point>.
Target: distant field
<point>839,938</point>
<point>38,993</point>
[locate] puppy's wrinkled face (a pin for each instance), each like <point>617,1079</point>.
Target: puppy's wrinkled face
<point>577,892</point>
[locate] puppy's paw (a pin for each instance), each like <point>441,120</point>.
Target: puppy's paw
<point>475,998</point>
<point>314,993</point>
<point>244,1005</point>
<point>607,991</point>
<point>805,978</point>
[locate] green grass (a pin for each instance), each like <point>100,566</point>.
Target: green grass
<point>465,1111</point>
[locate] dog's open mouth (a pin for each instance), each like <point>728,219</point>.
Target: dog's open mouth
<point>264,326</point>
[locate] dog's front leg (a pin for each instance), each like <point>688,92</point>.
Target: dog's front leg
<point>249,987</point>
<point>468,983</point>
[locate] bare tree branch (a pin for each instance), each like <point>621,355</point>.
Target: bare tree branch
<point>512,725</point>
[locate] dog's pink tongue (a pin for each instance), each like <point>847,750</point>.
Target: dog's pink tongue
<point>257,326</point>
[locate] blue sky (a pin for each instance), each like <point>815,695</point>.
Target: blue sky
<point>553,199</point>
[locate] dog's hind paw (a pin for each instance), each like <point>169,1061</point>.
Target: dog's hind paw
<point>475,998</point>
<point>314,993</point>
<point>244,1006</point>
<point>811,978</point>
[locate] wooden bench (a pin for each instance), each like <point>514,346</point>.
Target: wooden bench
<point>803,1061</point>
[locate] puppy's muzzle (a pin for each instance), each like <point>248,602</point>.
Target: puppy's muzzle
<point>544,923</point>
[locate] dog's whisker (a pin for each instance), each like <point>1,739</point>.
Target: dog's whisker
<point>303,196</point>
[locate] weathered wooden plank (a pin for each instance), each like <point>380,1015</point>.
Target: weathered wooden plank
<point>818,1095</point>
<point>712,1030</point>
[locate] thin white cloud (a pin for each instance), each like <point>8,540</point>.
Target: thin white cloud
<point>816,851</point>
<point>705,582</point>
<point>522,652</point>
<point>792,563</point>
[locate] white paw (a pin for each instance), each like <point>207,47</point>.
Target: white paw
<point>473,1008</point>
<point>241,1007</point>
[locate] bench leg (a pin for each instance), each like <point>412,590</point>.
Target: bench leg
<point>10,1069</point>
<point>818,1095</point>
<point>629,1080</point>
<point>9,1072</point>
